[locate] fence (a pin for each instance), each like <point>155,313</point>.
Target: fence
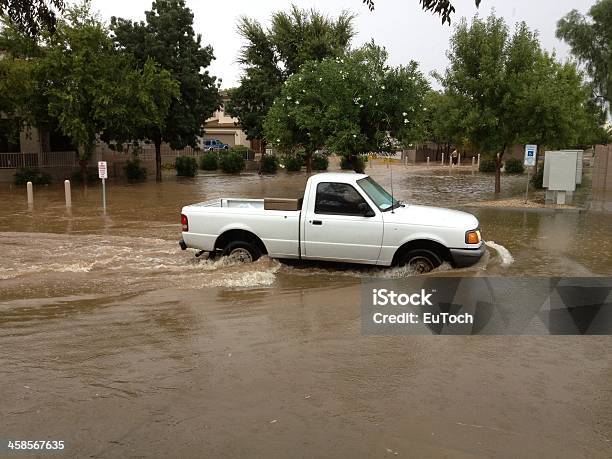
<point>45,159</point>
<point>147,153</point>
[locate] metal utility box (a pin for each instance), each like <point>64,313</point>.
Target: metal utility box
<point>562,171</point>
<point>579,162</point>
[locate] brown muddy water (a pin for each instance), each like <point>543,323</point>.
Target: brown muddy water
<point>119,343</point>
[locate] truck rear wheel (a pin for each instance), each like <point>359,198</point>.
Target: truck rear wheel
<point>420,260</point>
<point>242,251</point>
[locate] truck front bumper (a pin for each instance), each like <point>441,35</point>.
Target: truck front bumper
<point>462,258</point>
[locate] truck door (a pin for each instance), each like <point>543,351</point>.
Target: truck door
<point>341,225</point>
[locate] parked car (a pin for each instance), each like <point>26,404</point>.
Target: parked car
<point>343,217</point>
<point>214,144</point>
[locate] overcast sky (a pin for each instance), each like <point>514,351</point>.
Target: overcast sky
<point>400,25</point>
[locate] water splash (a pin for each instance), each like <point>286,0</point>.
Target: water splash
<point>504,254</point>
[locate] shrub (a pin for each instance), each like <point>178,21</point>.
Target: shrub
<point>186,166</point>
<point>537,181</point>
<point>209,162</point>
<point>514,166</point>
<point>320,162</point>
<point>31,174</point>
<point>269,164</point>
<point>354,162</point>
<point>232,161</point>
<point>134,171</point>
<point>345,163</point>
<point>487,165</point>
<point>359,164</point>
<point>246,152</point>
<point>293,163</point>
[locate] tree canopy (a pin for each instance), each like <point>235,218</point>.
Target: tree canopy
<point>32,17</point>
<point>93,89</point>
<point>444,8</point>
<point>590,40</point>
<point>76,79</point>
<point>348,105</point>
<point>507,90</point>
<point>271,55</point>
<point>167,36</point>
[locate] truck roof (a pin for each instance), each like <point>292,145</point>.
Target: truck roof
<point>342,177</point>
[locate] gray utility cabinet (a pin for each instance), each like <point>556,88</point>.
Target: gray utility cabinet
<point>562,172</point>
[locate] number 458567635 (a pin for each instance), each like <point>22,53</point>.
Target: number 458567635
<point>35,444</point>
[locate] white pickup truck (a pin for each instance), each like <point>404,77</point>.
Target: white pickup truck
<point>343,217</point>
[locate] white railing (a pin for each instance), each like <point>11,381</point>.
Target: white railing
<point>16,160</point>
<point>45,159</point>
<point>58,159</point>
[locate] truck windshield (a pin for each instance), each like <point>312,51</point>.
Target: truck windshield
<point>378,194</point>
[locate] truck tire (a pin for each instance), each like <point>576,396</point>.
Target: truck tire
<point>420,260</point>
<point>242,251</point>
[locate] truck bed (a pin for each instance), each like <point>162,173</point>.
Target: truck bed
<point>245,203</point>
<point>240,203</point>
<point>277,227</point>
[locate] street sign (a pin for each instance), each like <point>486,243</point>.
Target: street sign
<point>530,155</point>
<point>530,160</point>
<point>102,170</point>
<point>103,174</point>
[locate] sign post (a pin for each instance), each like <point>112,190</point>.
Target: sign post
<point>103,174</point>
<point>530,161</point>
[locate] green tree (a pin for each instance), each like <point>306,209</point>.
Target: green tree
<point>444,8</point>
<point>509,91</point>
<point>272,55</point>
<point>19,95</point>
<point>348,105</point>
<point>32,17</point>
<point>168,37</point>
<point>151,91</point>
<point>590,40</point>
<point>442,121</point>
<point>91,87</point>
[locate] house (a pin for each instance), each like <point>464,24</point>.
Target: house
<point>225,128</point>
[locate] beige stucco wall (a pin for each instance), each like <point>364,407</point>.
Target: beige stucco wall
<point>30,140</point>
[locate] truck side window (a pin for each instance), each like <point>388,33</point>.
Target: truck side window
<point>338,199</point>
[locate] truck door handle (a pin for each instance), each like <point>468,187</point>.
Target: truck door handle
<point>317,222</point>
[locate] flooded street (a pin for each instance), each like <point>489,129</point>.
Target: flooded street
<point>121,344</point>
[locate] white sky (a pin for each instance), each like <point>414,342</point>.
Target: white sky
<point>400,25</point>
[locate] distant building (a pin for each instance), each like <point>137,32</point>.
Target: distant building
<point>225,128</point>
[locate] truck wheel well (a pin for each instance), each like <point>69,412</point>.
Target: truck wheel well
<point>426,244</point>
<point>240,235</point>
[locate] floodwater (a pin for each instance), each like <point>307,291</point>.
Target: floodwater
<point>121,344</point>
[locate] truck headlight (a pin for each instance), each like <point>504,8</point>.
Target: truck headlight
<point>472,237</point>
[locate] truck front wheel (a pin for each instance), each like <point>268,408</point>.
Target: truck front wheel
<point>242,251</point>
<point>420,261</point>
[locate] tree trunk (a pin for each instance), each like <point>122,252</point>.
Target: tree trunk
<point>158,174</point>
<point>262,147</point>
<point>309,162</point>
<point>83,164</point>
